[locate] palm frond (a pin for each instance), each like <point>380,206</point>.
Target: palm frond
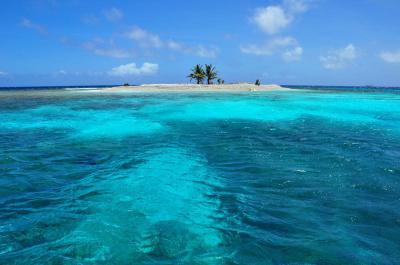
<point>210,73</point>
<point>197,73</point>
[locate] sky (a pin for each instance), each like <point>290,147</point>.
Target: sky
<point>288,42</point>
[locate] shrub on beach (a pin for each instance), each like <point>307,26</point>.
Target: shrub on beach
<point>258,82</point>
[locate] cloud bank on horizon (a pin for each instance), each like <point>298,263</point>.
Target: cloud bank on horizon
<point>287,41</point>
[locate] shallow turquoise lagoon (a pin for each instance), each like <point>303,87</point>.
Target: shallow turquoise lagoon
<point>290,177</point>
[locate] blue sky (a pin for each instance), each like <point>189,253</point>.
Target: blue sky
<point>305,42</point>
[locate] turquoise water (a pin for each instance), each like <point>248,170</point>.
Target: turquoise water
<point>290,177</point>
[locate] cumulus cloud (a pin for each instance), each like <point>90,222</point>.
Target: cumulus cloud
<point>273,19</point>
<point>148,40</point>
<point>293,54</point>
<point>133,69</point>
<point>390,57</point>
<point>113,14</point>
<point>270,47</point>
<point>110,52</point>
<point>201,51</point>
<point>340,58</point>
<point>294,7</point>
<point>26,23</point>
<point>288,45</point>
<point>145,38</point>
<point>105,48</point>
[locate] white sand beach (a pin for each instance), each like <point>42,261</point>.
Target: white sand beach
<point>191,88</point>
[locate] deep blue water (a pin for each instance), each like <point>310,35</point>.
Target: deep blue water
<point>359,89</point>
<point>27,88</point>
<point>289,177</point>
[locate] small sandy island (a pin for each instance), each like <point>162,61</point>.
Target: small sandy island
<point>193,88</point>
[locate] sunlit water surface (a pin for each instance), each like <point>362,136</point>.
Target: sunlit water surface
<point>290,177</point>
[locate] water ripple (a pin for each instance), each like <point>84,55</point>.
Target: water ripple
<point>278,178</point>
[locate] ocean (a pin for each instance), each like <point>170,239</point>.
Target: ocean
<point>307,176</point>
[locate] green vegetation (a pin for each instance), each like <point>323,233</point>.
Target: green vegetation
<point>211,73</point>
<point>220,81</point>
<point>258,82</point>
<point>198,74</point>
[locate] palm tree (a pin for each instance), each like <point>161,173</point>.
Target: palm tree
<point>211,74</point>
<point>198,74</point>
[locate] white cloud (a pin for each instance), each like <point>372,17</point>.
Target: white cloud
<point>26,23</point>
<point>112,52</point>
<point>294,7</point>
<point>390,57</point>
<point>273,19</point>
<point>269,47</point>
<point>145,38</point>
<point>293,54</point>
<point>62,72</point>
<point>173,45</point>
<point>149,40</point>
<point>133,69</point>
<point>201,51</point>
<point>2,73</point>
<point>339,58</point>
<point>104,48</point>
<point>113,14</point>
